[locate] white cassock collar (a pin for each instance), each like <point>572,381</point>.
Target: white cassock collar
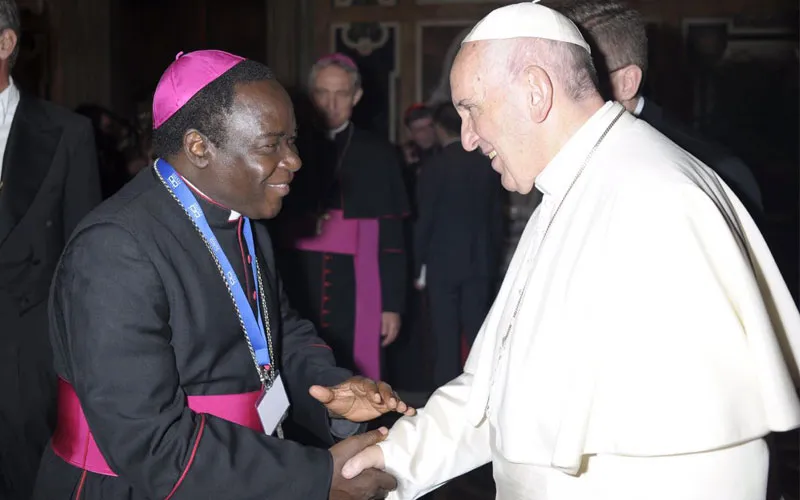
<point>562,169</point>
<point>333,133</point>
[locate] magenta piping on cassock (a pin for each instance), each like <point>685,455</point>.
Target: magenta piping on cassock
<point>359,238</point>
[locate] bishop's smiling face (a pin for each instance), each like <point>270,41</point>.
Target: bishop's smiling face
<point>252,170</point>
<point>492,114</point>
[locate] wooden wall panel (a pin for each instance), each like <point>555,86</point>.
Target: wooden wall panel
<point>81,45</point>
<point>670,79</point>
<point>148,34</point>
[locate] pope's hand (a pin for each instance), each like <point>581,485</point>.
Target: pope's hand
<point>371,484</point>
<point>360,399</point>
<point>369,458</point>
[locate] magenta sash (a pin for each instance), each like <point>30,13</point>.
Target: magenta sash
<point>359,238</point>
<point>73,441</point>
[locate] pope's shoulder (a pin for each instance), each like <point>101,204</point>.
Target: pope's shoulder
<point>644,168</point>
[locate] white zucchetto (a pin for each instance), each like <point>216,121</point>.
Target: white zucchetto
<point>526,20</point>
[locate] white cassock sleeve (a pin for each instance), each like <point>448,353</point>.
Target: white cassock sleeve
<point>438,444</point>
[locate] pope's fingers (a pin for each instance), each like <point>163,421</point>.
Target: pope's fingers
<point>368,458</point>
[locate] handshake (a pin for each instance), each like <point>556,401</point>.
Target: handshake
<point>356,464</point>
<point>356,460</point>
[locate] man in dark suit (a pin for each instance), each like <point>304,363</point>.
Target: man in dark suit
<point>48,182</point>
<point>458,240</point>
<point>619,41</point>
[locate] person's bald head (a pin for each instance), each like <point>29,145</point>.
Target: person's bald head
<point>519,98</point>
<point>618,36</point>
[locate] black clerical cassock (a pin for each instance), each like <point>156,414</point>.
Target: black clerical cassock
<point>141,322</point>
<point>344,229</point>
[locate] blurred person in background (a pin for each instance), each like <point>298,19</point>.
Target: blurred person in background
<point>49,181</point>
<point>458,239</point>
<point>345,259</point>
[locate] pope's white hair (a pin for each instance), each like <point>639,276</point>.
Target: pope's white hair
<point>569,65</point>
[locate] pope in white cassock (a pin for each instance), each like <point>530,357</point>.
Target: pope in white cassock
<point>643,342</point>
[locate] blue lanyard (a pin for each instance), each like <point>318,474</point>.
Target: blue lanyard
<point>253,324</point>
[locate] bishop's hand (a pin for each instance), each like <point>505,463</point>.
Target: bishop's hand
<point>369,484</point>
<point>360,399</point>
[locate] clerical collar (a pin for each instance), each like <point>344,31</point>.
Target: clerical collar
<point>338,130</point>
<point>562,169</point>
<point>233,215</point>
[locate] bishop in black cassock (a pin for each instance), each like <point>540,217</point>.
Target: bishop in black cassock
<point>343,227</point>
<point>157,386</point>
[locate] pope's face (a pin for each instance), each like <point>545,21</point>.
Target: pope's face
<point>253,169</point>
<point>493,116</point>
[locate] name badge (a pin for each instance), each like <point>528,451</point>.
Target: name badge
<point>272,406</point>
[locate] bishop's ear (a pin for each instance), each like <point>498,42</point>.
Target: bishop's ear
<point>197,148</point>
<point>540,91</point>
<point>359,93</point>
<point>8,42</point>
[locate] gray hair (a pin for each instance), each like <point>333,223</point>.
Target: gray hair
<point>615,30</point>
<point>567,63</point>
<point>355,76</point>
<point>9,20</point>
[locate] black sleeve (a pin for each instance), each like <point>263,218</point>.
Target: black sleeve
<point>82,190</point>
<point>393,172</point>
<point>392,262</point>
<point>116,343</point>
<point>307,361</point>
<point>428,189</point>
<point>392,244</point>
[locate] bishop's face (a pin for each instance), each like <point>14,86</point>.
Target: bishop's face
<point>252,170</point>
<point>493,116</point>
<point>334,95</point>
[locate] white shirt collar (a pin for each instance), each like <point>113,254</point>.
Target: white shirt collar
<point>559,173</point>
<point>9,99</point>
<point>639,107</point>
<point>337,130</point>
<point>232,217</point>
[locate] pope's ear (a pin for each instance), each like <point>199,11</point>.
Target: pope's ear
<point>197,148</point>
<point>540,90</point>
